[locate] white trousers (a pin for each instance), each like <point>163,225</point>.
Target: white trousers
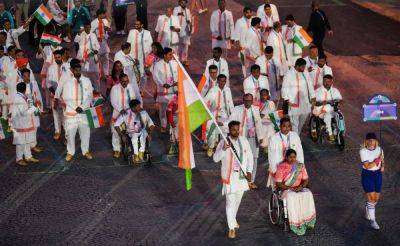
<point>57,117</point>
<point>298,121</point>
<point>72,125</point>
<point>23,150</point>
<point>254,150</point>
<point>327,117</point>
<point>115,139</point>
<point>183,48</point>
<point>232,206</point>
<point>163,113</point>
<point>138,141</point>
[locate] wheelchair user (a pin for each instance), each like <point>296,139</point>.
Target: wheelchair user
<point>292,179</point>
<point>326,96</point>
<point>138,125</point>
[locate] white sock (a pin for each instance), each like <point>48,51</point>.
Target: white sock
<point>371,210</point>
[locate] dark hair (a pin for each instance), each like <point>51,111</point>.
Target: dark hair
<point>283,120</point>
<point>269,50</point>
<point>289,152</point>
<point>58,52</point>
<point>233,123</point>
<point>254,67</point>
<point>125,46</point>
<point>25,70</point>
<point>212,66</point>
<point>264,90</point>
<point>123,75</point>
<point>167,50</point>
<point>328,76</point>
<point>276,24</point>
<point>267,5</point>
<point>300,62</point>
<point>21,87</point>
<point>159,48</point>
<point>1,48</point>
<point>255,21</point>
<point>221,76</point>
<point>10,48</point>
<point>133,103</point>
<point>75,63</point>
<point>322,56</point>
<point>218,49</point>
<point>247,94</point>
<point>100,11</point>
<point>114,72</point>
<point>313,46</point>
<point>289,17</point>
<point>245,9</point>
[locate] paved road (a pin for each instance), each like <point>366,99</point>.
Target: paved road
<point>106,202</point>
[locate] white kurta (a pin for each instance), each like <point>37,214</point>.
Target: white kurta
<point>12,36</point>
<point>222,66</point>
<point>232,178</point>
<point>88,43</point>
<point>324,95</point>
<point>222,25</point>
<point>22,120</point>
<point>274,10</point>
<point>268,127</point>
<point>140,46</point>
<point>210,83</point>
<point>275,40</point>
<point>165,73</point>
<point>166,36</point>
<point>120,98</point>
<point>293,51</point>
<point>311,62</point>
<point>128,63</point>
<point>253,86</point>
<point>253,44</point>
<point>277,147</point>
<point>248,128</point>
<point>271,68</point>
<point>317,75</point>
<point>241,27</point>
<point>33,93</point>
<point>186,29</point>
<point>220,103</point>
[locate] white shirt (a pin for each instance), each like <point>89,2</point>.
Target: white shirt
<point>88,43</point>
<point>232,177</point>
<point>318,73</point>
<point>241,27</point>
<point>274,10</point>
<point>246,117</point>
<point>253,43</point>
<point>367,155</point>
<point>140,44</point>
<point>220,102</point>
<point>165,73</point>
<point>322,94</point>
<point>135,122</point>
<point>279,144</point>
<point>165,36</point>
<point>12,36</point>
<point>120,98</point>
<point>222,24</point>
<point>253,86</point>
<point>186,29</point>
<point>222,66</point>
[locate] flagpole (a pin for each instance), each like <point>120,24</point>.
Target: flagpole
<point>209,112</point>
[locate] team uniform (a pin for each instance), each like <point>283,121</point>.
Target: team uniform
<point>254,85</point>
<point>98,27</point>
<point>275,40</point>
<point>222,65</point>
<point>293,50</point>
<point>222,25</point>
<point>166,36</point>
<point>185,22</point>
<point>242,25</point>
<point>272,69</point>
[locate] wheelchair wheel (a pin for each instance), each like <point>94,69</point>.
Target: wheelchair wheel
<point>274,209</point>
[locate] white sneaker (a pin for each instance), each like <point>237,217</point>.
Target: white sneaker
<point>374,225</point>
<point>123,33</point>
<point>366,214</point>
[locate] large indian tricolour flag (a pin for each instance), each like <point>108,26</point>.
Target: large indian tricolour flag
<point>43,15</point>
<point>301,38</point>
<point>192,113</point>
<point>95,117</point>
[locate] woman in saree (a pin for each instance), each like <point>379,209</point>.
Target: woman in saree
<point>292,178</point>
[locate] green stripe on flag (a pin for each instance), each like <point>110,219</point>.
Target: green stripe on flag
<point>298,41</point>
<point>197,115</point>
<point>188,174</point>
<point>41,19</point>
<point>274,121</point>
<point>89,116</point>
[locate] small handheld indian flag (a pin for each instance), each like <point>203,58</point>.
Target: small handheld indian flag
<point>275,118</point>
<point>301,38</point>
<point>50,39</point>
<point>95,117</point>
<point>203,86</point>
<point>192,113</point>
<point>43,15</point>
<point>98,100</point>
<point>5,130</point>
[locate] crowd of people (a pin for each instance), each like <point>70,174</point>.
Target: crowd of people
<point>280,77</point>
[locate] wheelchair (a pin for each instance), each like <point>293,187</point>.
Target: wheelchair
<point>128,151</point>
<point>318,131</point>
<point>277,210</point>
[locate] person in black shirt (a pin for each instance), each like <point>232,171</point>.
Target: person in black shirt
<point>318,25</point>
<point>141,12</point>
